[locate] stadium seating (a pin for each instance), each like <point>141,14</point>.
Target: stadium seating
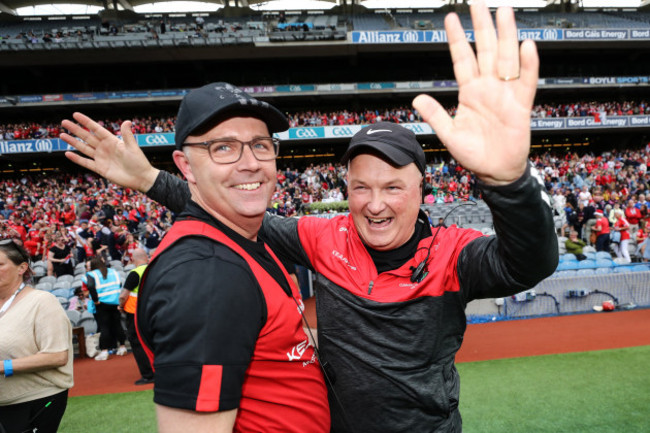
<point>603,271</point>
<point>605,263</point>
<point>585,272</point>
<point>48,279</point>
<point>65,278</point>
<point>44,286</point>
<point>603,255</point>
<point>87,321</point>
<point>589,255</point>
<point>74,316</point>
<point>567,273</point>
<point>567,265</point>
<point>586,264</point>
<point>61,293</point>
<point>63,301</point>
<point>568,257</point>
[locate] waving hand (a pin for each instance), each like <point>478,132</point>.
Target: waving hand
<point>120,161</point>
<point>490,134</point>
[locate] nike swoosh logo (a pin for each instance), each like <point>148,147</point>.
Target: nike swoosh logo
<point>372,131</point>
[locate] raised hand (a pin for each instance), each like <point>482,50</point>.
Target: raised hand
<point>120,161</point>
<point>490,134</point>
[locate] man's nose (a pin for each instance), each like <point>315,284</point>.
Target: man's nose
<point>376,203</point>
<point>248,159</point>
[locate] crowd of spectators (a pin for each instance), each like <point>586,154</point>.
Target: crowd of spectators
<point>63,216</point>
<point>35,131</point>
<point>403,114</point>
<point>595,109</point>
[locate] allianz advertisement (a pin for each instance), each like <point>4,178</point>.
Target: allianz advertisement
<point>333,132</point>
<point>547,35</point>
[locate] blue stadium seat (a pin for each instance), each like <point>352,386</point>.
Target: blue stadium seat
<point>62,293</point>
<point>568,257</point>
<point>605,263</point>
<point>65,278</point>
<point>567,273</point>
<point>603,271</point>
<point>622,269</point>
<point>583,272</point>
<point>74,316</point>
<point>641,268</point>
<point>564,266</point>
<point>590,256</point>
<point>587,264</point>
<point>603,255</point>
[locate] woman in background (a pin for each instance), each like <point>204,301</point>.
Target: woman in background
<point>35,349</point>
<point>623,227</point>
<point>104,286</point>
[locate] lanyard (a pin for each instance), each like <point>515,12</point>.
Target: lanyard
<point>7,304</point>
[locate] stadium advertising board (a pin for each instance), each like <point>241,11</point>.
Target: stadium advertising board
<point>403,37</point>
<point>162,139</point>
<point>345,131</point>
<point>297,89</point>
<point>84,96</point>
<point>588,122</point>
<point>375,86</point>
<point>46,145</point>
<point>259,89</point>
<point>546,35</point>
<point>349,87</point>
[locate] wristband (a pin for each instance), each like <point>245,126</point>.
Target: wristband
<point>9,367</point>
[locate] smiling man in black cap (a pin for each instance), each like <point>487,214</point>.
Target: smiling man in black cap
<point>216,311</point>
<point>391,291</point>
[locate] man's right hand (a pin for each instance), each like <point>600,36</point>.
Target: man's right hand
<point>120,161</point>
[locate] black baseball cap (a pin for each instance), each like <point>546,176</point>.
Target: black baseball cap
<point>216,102</point>
<point>390,140</point>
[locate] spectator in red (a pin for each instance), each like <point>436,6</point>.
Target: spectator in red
<point>601,228</point>
<point>133,218</point>
<point>623,227</point>
<point>69,215</point>
<point>633,215</point>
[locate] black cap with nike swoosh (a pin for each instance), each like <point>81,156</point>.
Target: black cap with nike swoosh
<point>391,141</point>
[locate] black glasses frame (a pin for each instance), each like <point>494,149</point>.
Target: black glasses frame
<point>207,144</point>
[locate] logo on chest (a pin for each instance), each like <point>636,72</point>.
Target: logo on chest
<point>344,259</point>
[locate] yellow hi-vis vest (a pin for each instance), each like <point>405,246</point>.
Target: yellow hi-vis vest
<point>132,302</point>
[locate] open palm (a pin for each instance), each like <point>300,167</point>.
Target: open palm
<point>119,160</point>
<point>490,134</point>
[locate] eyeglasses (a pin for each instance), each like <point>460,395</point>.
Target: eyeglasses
<point>17,247</point>
<point>229,150</point>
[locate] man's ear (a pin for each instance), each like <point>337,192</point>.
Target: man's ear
<point>182,162</point>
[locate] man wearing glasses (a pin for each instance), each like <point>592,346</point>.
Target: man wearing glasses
<point>217,313</point>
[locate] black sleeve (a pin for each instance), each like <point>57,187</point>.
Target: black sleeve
<point>281,234</point>
<point>199,308</point>
<point>170,191</point>
<point>132,281</point>
<point>90,284</point>
<point>524,250</point>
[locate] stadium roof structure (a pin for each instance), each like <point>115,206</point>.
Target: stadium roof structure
<point>10,6</point>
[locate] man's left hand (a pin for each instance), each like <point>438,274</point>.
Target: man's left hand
<point>490,134</point>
